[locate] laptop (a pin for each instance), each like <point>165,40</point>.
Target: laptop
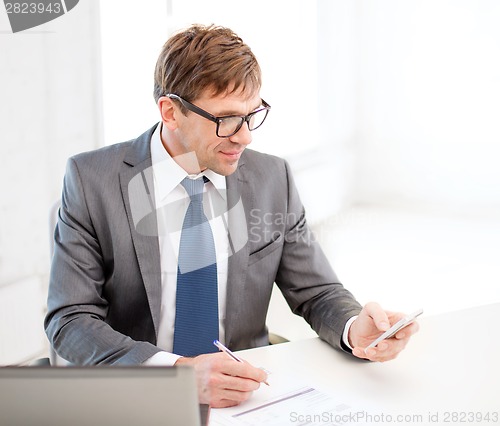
<point>93,396</point>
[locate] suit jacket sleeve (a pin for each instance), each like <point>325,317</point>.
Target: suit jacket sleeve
<point>81,323</point>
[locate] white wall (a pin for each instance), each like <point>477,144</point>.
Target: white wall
<point>49,109</point>
<point>131,40</point>
<point>425,149</point>
<point>429,101</point>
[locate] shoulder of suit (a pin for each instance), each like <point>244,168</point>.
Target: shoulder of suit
<point>116,151</point>
<point>105,151</point>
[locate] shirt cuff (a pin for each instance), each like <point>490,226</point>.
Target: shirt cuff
<point>161,359</point>
<point>345,335</point>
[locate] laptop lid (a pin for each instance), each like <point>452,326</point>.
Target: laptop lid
<point>89,396</point>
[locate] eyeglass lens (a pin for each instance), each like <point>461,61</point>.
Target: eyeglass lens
<point>228,126</point>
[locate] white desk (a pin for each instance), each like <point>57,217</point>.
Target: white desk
<point>450,366</point>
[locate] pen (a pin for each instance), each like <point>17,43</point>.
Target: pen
<point>231,354</point>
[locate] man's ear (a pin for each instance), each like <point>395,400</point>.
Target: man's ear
<point>168,112</point>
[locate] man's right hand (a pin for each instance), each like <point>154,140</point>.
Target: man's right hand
<point>223,382</point>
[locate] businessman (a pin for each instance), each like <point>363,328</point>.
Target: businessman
<point>174,239</point>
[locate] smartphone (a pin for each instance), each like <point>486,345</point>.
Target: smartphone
<point>402,323</point>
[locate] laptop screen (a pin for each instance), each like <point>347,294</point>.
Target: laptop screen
<point>89,396</point>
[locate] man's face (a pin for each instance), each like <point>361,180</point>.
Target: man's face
<point>196,134</point>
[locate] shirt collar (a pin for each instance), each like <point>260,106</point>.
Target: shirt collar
<point>168,174</point>
<point>218,181</point>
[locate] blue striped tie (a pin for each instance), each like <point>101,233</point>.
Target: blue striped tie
<point>196,313</point>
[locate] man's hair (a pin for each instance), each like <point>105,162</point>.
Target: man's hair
<point>204,58</point>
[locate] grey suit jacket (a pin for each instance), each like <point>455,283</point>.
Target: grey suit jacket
<point>105,282</point>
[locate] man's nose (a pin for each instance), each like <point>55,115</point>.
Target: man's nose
<point>242,136</point>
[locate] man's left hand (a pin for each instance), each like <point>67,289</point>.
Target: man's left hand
<point>370,324</point>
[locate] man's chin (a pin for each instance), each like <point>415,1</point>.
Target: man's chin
<point>229,170</point>
<point>225,169</point>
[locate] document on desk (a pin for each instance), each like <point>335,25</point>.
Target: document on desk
<point>284,402</point>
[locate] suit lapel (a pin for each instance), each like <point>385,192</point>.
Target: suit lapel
<point>240,203</point>
<point>136,182</point>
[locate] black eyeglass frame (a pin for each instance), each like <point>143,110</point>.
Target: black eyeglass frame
<point>219,120</point>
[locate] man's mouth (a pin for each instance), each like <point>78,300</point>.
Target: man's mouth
<point>233,155</point>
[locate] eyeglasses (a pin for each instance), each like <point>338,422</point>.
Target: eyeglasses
<point>228,125</point>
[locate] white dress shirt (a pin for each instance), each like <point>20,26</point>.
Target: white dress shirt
<point>172,201</point>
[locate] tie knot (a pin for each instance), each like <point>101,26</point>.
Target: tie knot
<point>194,187</point>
